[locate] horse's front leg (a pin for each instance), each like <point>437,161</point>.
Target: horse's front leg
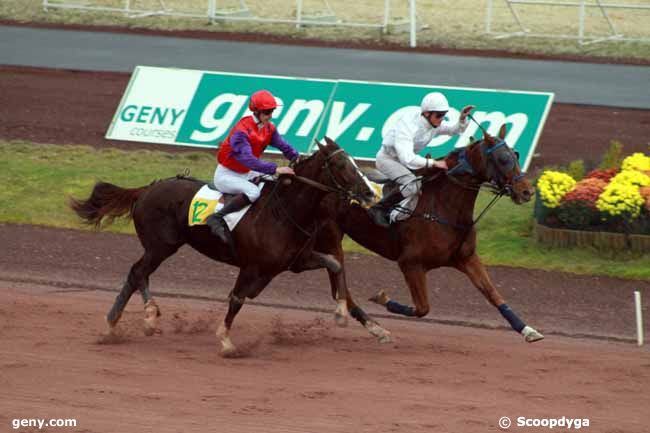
<point>475,270</point>
<point>249,284</point>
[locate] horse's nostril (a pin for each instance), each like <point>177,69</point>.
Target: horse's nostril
<point>526,194</point>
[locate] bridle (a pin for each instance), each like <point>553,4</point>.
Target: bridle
<point>338,189</point>
<point>343,192</point>
<point>499,183</point>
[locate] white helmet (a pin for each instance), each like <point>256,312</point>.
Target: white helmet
<point>434,101</point>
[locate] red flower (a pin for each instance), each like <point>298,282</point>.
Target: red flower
<point>586,192</point>
<point>605,175</point>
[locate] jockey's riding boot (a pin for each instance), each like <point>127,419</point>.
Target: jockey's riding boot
<point>379,212</point>
<point>216,222</point>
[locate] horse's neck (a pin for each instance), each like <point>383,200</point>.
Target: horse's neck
<point>449,200</point>
<point>301,200</point>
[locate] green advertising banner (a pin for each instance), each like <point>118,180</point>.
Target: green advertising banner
<point>200,108</point>
<point>221,100</point>
<point>369,109</point>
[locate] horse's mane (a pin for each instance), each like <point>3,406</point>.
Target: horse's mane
<point>454,155</point>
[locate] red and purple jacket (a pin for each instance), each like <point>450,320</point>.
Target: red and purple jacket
<point>241,150</point>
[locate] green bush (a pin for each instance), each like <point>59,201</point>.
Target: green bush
<point>613,157</point>
<point>576,169</point>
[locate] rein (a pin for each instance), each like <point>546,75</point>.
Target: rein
<point>465,167</point>
<point>338,188</point>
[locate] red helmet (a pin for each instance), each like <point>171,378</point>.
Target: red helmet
<point>262,100</point>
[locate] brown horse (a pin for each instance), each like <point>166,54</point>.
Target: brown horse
<point>276,235</point>
<point>440,232</point>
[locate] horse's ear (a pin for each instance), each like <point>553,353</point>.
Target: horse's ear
<point>320,145</point>
<point>502,132</point>
<point>329,141</point>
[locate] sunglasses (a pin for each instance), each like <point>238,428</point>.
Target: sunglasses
<point>267,112</point>
<point>439,114</point>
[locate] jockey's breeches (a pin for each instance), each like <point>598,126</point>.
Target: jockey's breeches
<point>409,185</point>
<point>232,182</point>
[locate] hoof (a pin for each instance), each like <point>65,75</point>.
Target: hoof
<point>151,314</point>
<point>385,339</point>
<point>341,320</point>
<point>383,336</point>
<point>380,298</point>
<point>341,313</point>
<point>531,335</point>
<point>112,330</point>
<point>149,330</point>
<point>111,323</point>
<point>229,352</point>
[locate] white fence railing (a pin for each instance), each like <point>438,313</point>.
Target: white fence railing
<point>593,20</point>
<point>219,10</point>
<point>607,28</point>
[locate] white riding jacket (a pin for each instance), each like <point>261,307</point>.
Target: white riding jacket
<point>410,134</point>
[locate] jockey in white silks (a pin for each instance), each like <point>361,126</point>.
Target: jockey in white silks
<point>398,155</point>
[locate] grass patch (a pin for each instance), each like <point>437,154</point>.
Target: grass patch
<point>453,24</point>
<point>39,178</point>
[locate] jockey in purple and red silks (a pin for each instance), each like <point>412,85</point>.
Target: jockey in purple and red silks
<point>239,161</point>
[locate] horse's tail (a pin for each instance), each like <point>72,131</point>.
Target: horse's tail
<point>106,200</point>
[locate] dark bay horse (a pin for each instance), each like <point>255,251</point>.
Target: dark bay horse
<point>440,232</point>
<point>275,235</point>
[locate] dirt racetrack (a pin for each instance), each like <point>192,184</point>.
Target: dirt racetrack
<point>297,373</point>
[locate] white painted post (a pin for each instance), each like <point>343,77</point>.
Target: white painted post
<point>639,318</point>
<point>298,13</point>
<point>413,42</point>
<point>212,8</point>
<point>581,28</point>
<point>386,16</point>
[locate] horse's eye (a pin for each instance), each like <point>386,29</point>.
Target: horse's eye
<point>503,159</point>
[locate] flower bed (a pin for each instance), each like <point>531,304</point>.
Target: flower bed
<point>615,201</point>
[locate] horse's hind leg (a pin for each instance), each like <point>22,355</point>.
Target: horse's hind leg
<point>249,284</point>
<point>475,270</point>
<point>417,283</point>
<point>138,279</point>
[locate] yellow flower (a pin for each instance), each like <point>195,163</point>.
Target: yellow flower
<point>636,161</point>
<point>631,177</point>
<point>552,186</point>
<point>622,196</point>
